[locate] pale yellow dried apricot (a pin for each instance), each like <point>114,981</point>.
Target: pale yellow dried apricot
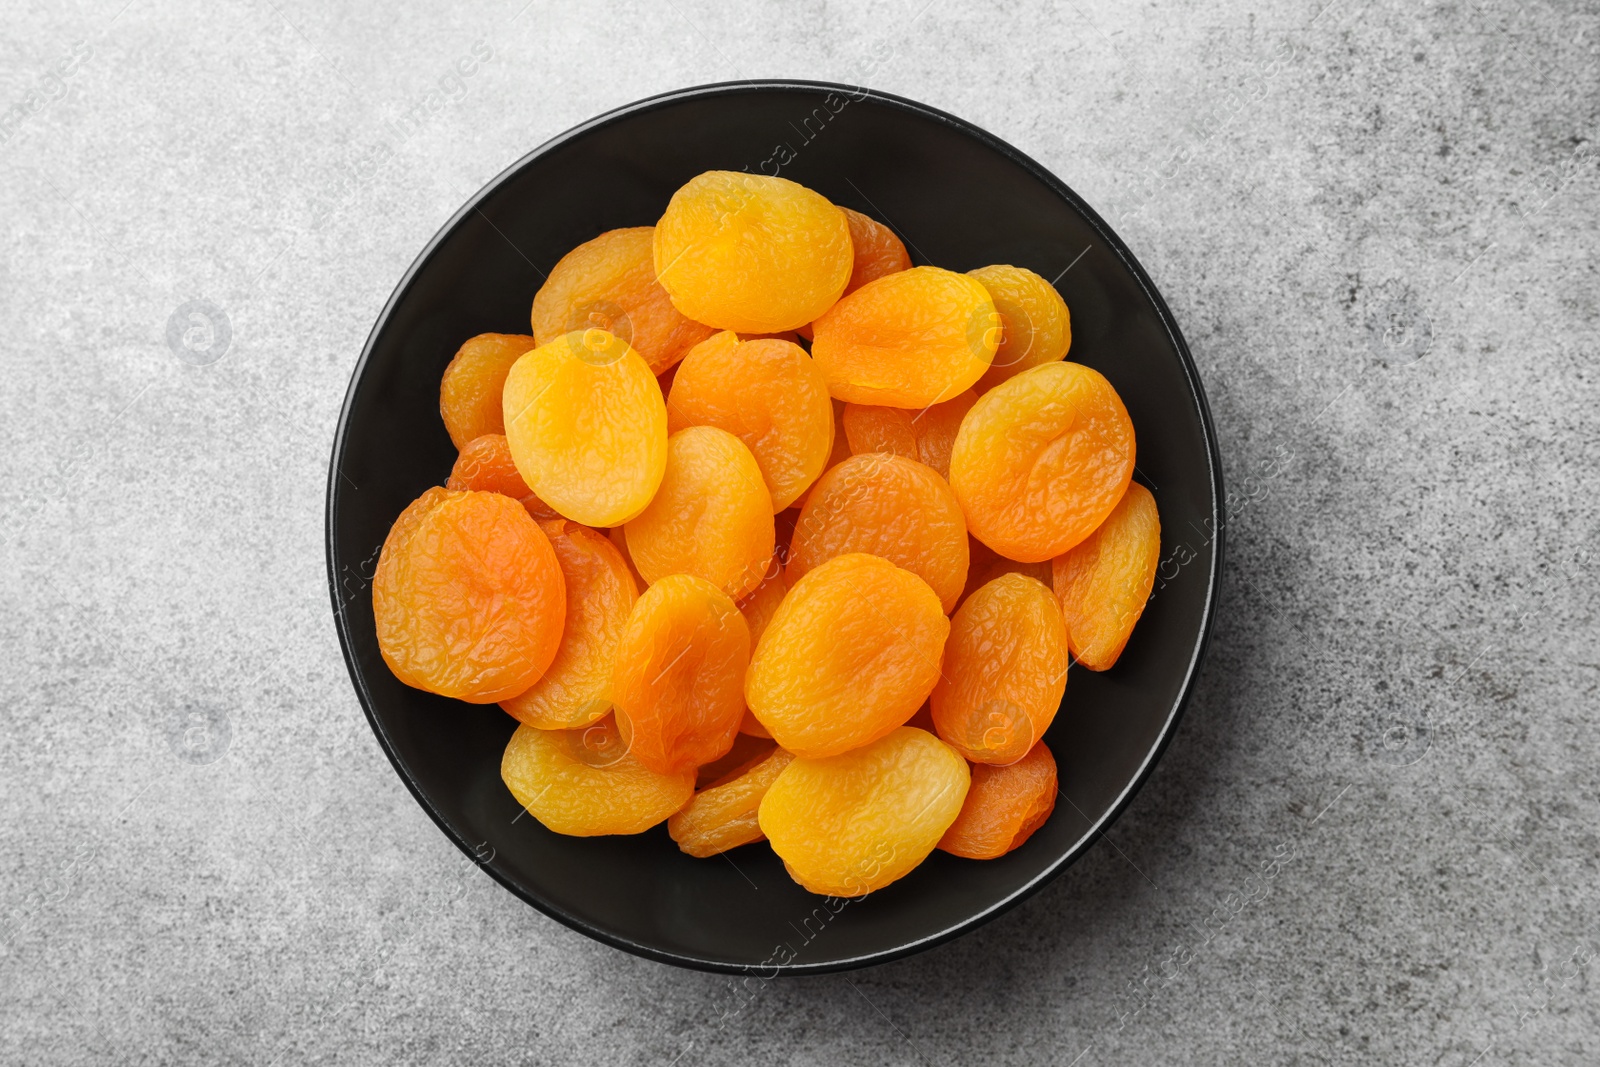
<point>609,283</point>
<point>850,824</point>
<point>585,782</point>
<point>1104,582</point>
<point>752,253</point>
<point>1005,669</point>
<point>724,815</point>
<point>1035,327</point>
<point>1041,460</point>
<point>907,340</point>
<point>1004,806</point>
<point>469,392</point>
<point>852,651</point>
<point>587,427</point>
<point>712,516</point>
<point>468,596</point>
<point>765,392</point>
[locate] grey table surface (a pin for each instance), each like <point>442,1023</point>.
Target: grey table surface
<point>1377,223</point>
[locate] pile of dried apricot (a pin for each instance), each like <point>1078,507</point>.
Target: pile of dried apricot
<point>767,534</point>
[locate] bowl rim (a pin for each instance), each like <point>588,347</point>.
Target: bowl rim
<point>1197,396</point>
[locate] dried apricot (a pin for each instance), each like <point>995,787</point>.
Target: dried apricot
<point>679,672</point>
<point>585,782</point>
<point>768,394</point>
<point>987,565</point>
<point>609,283</point>
<point>1004,806</point>
<point>576,688</point>
<point>468,596</point>
<point>877,251</point>
<point>1034,325</point>
<point>936,428</point>
<point>752,253</point>
<point>1005,669</point>
<point>850,824</point>
<point>724,815</point>
<point>469,392</point>
<point>587,427</point>
<point>1041,460</point>
<point>889,506</point>
<point>907,340</point>
<point>747,751</point>
<point>485,464</point>
<point>712,516</point>
<point>852,651</point>
<point>870,428</point>
<point>1105,581</point>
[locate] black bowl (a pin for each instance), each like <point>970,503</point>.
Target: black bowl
<point>961,199</point>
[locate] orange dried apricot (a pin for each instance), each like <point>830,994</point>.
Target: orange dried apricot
<point>852,651</point>
<point>609,283</point>
<point>1041,460</point>
<point>889,506</point>
<point>1005,669</point>
<point>679,672</point>
<point>1035,327</point>
<point>1104,582</point>
<point>936,428</point>
<point>850,824</point>
<point>758,609</point>
<point>469,392</point>
<point>870,428</point>
<point>724,815</point>
<point>987,565</point>
<point>768,394</point>
<point>1004,806</point>
<point>712,516</point>
<point>576,688</point>
<point>485,464</point>
<point>468,596</point>
<point>878,252</point>
<point>587,427</point>
<point>585,782</point>
<point>907,340</point>
<point>752,253</point>
<point>747,751</point>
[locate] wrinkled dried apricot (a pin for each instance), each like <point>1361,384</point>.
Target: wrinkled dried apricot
<point>752,253</point>
<point>712,516</point>
<point>609,283</point>
<point>747,751</point>
<point>576,688</point>
<point>1034,325</point>
<point>485,464</point>
<point>468,596</point>
<point>1041,460</point>
<point>758,609</point>
<point>680,669</point>
<point>587,427</point>
<point>877,251</point>
<point>1105,581</point>
<point>469,392</point>
<point>889,506</point>
<point>927,435</point>
<point>1005,669</point>
<point>585,782</point>
<point>850,824</point>
<point>987,565</point>
<point>907,340</point>
<point>1004,806</point>
<point>936,428</point>
<point>852,651</point>
<point>723,816</point>
<point>768,394</point>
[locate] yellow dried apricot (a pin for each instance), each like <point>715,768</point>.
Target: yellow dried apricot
<point>1105,581</point>
<point>889,506</point>
<point>1005,669</point>
<point>1004,806</point>
<point>587,427</point>
<point>576,688</point>
<point>585,782</point>
<point>468,596</point>
<point>712,516</point>
<point>1035,327</point>
<point>609,283</point>
<point>907,340</point>
<point>1041,460</point>
<point>768,394</point>
<point>852,651</point>
<point>679,673</point>
<point>850,824</point>
<point>469,392</point>
<point>724,815</point>
<point>752,253</point>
